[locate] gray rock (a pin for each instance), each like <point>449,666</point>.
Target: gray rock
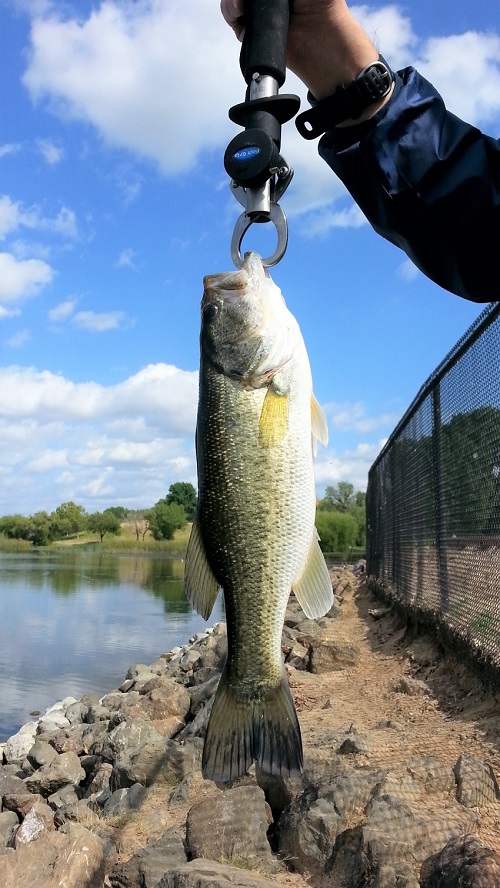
<point>158,761</point>
<point>68,795</point>
<point>100,779</point>
<point>476,782</point>
<point>309,827</point>
<point>354,744</point>
<point>412,687</point>
<point>232,827</point>
<point>77,812</point>
<point>63,771</point>
<point>147,866</point>
<point>75,860</point>
<point>41,753</point>
<point>167,699</point>
<point>202,693</point>
<point>130,735</point>
<point>210,874</point>
<point>18,746</point>
<point>38,822</point>
<point>463,862</point>
<point>329,651</point>
<point>20,803</point>
<point>9,822</point>
<point>392,836</point>
<point>75,712</point>
<point>124,800</point>
<point>9,783</point>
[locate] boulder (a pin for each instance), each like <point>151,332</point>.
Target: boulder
<point>75,860</point>
<point>149,864</point>
<point>476,782</point>
<point>41,753</point>
<point>38,821</point>
<point>464,861</point>
<point>9,822</point>
<point>62,771</point>
<point>124,800</point>
<point>20,802</point>
<point>18,746</point>
<point>157,761</point>
<point>330,650</point>
<point>232,827</point>
<point>210,874</point>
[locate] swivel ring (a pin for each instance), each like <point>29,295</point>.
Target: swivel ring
<point>244,222</point>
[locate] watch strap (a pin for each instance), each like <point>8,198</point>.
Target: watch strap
<point>348,102</point>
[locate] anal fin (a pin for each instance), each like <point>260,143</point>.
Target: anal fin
<point>200,585</point>
<point>314,587</point>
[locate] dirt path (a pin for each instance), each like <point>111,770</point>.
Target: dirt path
<point>450,714</point>
<point>455,715</point>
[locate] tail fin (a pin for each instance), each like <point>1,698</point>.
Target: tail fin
<point>240,732</point>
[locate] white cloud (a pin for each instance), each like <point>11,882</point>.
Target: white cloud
<point>355,417</point>
<point>9,148</point>
<point>349,465</point>
<point>21,279</point>
<point>126,259</point>
<point>466,70</point>
<point>51,153</point>
<point>62,311</point>
<point>19,339</point>
<point>100,322</point>
<point>99,445</point>
<point>107,69</point>
<point>13,216</point>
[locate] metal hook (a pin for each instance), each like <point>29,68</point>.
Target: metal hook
<point>277,216</point>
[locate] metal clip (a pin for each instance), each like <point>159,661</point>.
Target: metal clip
<point>278,218</point>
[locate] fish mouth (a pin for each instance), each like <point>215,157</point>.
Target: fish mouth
<point>235,281</point>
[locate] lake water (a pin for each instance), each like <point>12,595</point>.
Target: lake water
<point>73,623</point>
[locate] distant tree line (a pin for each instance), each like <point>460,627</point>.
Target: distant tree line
<point>341,520</point>
<point>69,519</point>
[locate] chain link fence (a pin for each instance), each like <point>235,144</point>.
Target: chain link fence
<point>433,499</point>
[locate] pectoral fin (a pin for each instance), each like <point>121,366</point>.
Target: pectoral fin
<point>314,588</point>
<point>273,421</point>
<point>319,425</point>
<point>200,586</point>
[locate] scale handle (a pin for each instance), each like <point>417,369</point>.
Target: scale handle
<point>264,43</point>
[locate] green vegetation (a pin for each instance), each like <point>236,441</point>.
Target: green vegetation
<point>341,521</point>
<point>160,528</point>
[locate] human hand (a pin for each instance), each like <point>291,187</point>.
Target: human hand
<point>326,45</point>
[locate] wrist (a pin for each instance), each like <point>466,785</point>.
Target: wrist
<point>330,51</point>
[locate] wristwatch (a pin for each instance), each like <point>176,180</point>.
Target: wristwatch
<point>348,101</point>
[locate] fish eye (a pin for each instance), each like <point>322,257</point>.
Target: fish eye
<point>209,311</point>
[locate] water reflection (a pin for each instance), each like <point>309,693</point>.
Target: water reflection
<point>74,622</point>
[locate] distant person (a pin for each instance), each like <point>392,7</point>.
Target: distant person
<point>426,180</point>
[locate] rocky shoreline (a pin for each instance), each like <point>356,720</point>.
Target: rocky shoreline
<point>108,792</point>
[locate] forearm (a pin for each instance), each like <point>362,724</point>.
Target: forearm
<point>428,182</point>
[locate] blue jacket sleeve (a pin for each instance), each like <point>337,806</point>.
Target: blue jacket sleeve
<point>428,182</point>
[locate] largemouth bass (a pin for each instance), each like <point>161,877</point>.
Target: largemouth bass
<point>253,534</point>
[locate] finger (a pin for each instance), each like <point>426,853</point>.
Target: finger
<point>232,10</point>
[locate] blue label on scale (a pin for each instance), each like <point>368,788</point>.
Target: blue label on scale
<point>247,153</point>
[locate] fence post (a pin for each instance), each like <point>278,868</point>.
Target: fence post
<point>439,499</point>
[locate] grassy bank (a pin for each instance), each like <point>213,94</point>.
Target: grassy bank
<point>126,542</point>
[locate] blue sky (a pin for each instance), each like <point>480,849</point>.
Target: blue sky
<point>114,204</point>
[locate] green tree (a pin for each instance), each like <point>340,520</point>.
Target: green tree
<point>337,531</point>
<point>165,518</point>
<point>342,497</point>
<point>68,518</point>
<point>182,493</point>
<point>103,522</point>
<point>119,511</point>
